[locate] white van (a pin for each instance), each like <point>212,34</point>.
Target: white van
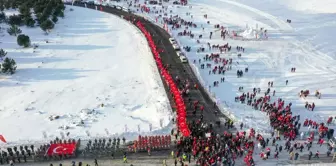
<point>172,41</point>
<point>183,59</point>
<point>125,9</point>
<point>176,47</point>
<point>179,53</point>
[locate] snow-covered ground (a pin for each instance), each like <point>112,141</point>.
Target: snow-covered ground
<point>96,67</point>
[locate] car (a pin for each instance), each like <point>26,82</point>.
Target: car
<point>90,2</point>
<point>179,53</point>
<point>176,2</point>
<point>119,7</point>
<point>172,40</point>
<point>125,9</point>
<point>176,47</point>
<point>183,59</point>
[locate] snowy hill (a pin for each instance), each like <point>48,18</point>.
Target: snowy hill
<point>93,68</point>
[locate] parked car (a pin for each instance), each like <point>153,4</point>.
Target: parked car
<point>176,2</point>
<point>90,2</point>
<point>179,53</point>
<point>176,47</point>
<point>172,40</point>
<point>183,59</point>
<point>125,9</point>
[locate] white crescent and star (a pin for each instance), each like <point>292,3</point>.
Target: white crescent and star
<point>58,147</point>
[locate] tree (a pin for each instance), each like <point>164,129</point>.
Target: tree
<point>8,66</point>
<point>14,30</point>
<point>2,6</point>
<point>47,11</point>
<point>15,20</point>
<point>29,22</point>
<point>7,4</point>
<point>3,53</point>
<point>47,25</point>
<point>59,10</point>
<point>14,4</point>
<point>61,14</point>
<point>54,19</point>
<point>41,18</point>
<point>24,11</point>
<point>2,17</point>
<point>39,7</point>
<point>23,40</point>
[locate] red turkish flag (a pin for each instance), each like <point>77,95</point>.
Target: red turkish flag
<point>61,149</point>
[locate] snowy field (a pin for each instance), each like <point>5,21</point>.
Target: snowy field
<point>95,68</point>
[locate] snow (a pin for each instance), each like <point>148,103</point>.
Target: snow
<point>95,68</point>
<point>312,6</point>
<point>249,33</point>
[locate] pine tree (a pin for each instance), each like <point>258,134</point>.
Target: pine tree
<point>54,19</point>
<point>2,6</point>
<point>7,4</point>
<point>29,22</point>
<point>23,40</point>
<point>3,53</point>
<point>47,25</point>
<point>24,11</point>
<point>14,30</point>
<point>2,17</point>
<point>8,66</point>
<point>15,20</point>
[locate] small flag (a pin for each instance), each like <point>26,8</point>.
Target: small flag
<point>2,138</point>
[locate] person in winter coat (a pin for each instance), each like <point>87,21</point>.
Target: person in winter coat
<point>296,156</point>
<point>291,155</point>
<point>317,154</point>
<point>310,155</point>
<point>95,162</point>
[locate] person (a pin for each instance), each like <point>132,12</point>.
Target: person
<point>95,162</point>
<point>310,155</point>
<point>317,154</point>
<point>296,156</point>
<point>125,159</point>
